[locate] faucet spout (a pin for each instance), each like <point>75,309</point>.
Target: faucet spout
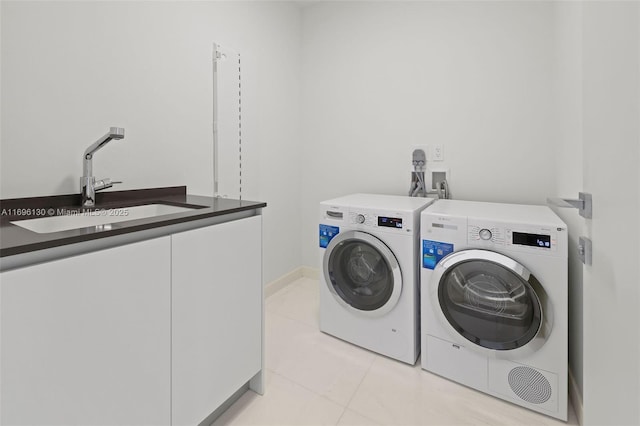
<point>88,185</point>
<point>114,133</point>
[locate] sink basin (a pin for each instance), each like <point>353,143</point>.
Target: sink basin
<point>99,218</point>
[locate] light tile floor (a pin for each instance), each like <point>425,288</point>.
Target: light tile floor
<point>316,379</point>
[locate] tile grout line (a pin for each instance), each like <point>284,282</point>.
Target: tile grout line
<point>362,380</point>
<point>344,411</point>
<point>292,287</point>
<point>288,379</point>
<point>314,326</point>
<point>276,311</point>
<point>309,389</point>
<point>293,319</point>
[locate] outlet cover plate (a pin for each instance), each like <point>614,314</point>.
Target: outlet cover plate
<point>437,153</point>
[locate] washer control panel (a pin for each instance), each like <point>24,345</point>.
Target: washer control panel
<point>382,221</point>
<point>361,218</point>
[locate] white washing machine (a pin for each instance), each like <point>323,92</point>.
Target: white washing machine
<point>494,301</point>
<point>370,261</point>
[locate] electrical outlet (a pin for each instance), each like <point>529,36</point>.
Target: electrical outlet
<point>438,152</point>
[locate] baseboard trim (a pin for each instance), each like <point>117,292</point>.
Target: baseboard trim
<point>309,272</point>
<point>282,282</point>
<point>576,398</point>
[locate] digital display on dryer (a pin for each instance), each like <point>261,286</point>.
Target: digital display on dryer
<point>390,222</point>
<point>532,240</point>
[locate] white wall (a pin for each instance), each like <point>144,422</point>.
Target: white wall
<point>72,69</point>
<point>611,146</point>
<point>379,77</point>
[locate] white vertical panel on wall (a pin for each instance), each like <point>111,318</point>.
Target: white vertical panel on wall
<point>611,108</point>
<point>228,114</point>
<point>569,173</point>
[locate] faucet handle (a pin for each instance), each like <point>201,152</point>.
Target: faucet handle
<point>104,184</point>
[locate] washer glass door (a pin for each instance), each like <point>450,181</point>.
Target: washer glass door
<point>362,273</point>
<point>492,303</point>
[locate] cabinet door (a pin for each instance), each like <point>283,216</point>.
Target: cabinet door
<point>216,315</point>
<point>85,340</point>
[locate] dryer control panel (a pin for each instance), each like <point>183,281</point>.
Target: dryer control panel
<point>512,236</point>
<point>489,233</point>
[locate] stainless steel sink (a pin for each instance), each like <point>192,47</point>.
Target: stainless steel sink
<point>99,218</point>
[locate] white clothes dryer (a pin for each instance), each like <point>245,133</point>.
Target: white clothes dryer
<point>369,257</point>
<point>494,300</point>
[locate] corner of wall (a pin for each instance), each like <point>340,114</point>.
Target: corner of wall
<point>575,396</point>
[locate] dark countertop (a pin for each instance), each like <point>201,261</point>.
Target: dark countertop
<point>16,240</point>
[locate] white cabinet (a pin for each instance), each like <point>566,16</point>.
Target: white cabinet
<point>157,332</point>
<point>86,340</point>
<point>216,315</point>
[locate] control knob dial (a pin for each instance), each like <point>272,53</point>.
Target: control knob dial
<point>360,218</point>
<point>485,234</point>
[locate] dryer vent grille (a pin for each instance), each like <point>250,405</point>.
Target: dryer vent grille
<point>530,385</point>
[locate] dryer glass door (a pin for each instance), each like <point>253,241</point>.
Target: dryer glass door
<point>362,273</point>
<point>491,303</point>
